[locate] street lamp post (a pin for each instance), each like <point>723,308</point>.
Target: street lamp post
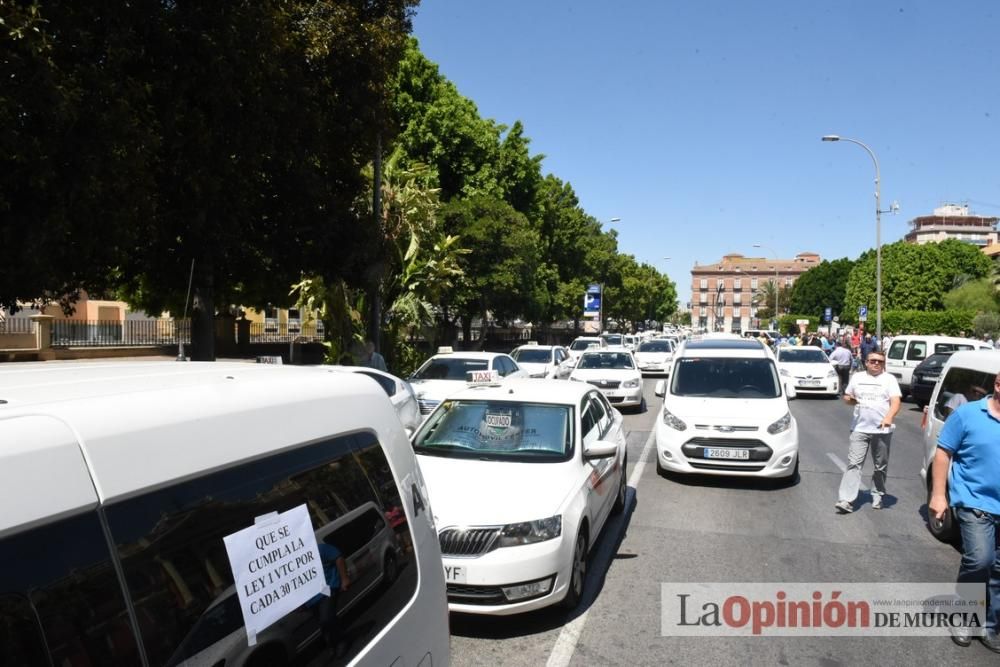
<point>757,245</point>
<point>878,234</point>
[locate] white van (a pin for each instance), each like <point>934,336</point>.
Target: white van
<point>120,482</point>
<point>906,352</point>
<point>968,376</point>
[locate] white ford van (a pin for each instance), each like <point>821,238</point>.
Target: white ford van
<point>906,352</point>
<point>128,492</point>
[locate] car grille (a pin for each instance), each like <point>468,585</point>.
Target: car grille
<point>468,542</point>
<point>615,399</point>
<point>427,406</point>
<point>605,384</point>
<point>726,466</point>
<point>724,427</point>
<point>695,448</point>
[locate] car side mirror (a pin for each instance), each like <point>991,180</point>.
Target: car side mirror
<point>599,449</point>
<point>790,390</point>
<point>661,388</point>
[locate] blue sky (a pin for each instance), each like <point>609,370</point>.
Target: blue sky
<point>698,123</point>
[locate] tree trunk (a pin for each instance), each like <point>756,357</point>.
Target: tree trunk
<point>203,313</point>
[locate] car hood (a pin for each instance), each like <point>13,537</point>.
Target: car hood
<point>799,369</point>
<point>760,412</point>
<point>436,390</point>
<point>620,374</point>
<point>470,492</point>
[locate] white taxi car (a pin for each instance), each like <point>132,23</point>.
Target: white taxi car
<point>544,361</point>
<point>581,344</point>
<point>809,368</point>
<point>446,371</point>
<point>614,373</point>
<point>655,356</point>
<point>725,412</point>
<point>522,478</point>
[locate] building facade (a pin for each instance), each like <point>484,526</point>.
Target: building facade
<point>953,221</point>
<point>723,295</point>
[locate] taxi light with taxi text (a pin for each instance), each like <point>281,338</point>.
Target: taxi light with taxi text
<point>780,425</point>
<point>529,532</point>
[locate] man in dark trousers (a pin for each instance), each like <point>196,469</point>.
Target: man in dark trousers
<point>842,359</point>
<point>868,345</point>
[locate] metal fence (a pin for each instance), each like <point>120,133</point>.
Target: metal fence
<point>109,333</point>
<point>17,325</point>
<point>274,332</point>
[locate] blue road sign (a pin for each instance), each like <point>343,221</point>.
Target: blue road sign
<point>827,314</point>
<point>863,313</point>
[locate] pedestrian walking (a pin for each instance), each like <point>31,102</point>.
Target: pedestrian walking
<point>966,472</point>
<point>867,345</point>
<point>876,398</point>
<point>373,359</point>
<point>842,359</point>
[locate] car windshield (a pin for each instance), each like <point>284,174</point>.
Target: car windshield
<point>578,345</point>
<point>498,430</point>
<point>613,339</point>
<point>813,356</point>
<point>529,356</point>
<point>725,378</point>
<point>449,368</point>
<point>606,360</point>
<point>655,346</point>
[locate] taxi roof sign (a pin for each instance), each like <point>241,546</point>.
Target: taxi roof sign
<point>532,342</point>
<point>445,349</point>
<point>482,378</point>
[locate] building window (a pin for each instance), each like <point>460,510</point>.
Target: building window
<point>703,284</point>
<point>737,311</point>
<point>737,297</point>
<point>788,282</point>
<point>737,284</point>
<point>703,298</point>
<point>753,283</point>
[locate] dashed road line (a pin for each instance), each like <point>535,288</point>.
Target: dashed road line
<point>570,635</point>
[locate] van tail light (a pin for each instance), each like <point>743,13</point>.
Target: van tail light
<point>923,420</point>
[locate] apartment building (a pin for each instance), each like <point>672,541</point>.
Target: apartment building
<point>722,294</point>
<point>953,221</point>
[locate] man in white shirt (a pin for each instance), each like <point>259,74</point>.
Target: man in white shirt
<point>842,359</point>
<point>876,398</point>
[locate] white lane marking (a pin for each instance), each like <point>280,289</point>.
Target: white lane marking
<point>843,466</point>
<point>570,635</point>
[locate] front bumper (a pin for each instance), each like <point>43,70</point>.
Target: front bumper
<point>679,451</point>
<point>484,577</point>
<point>814,386</point>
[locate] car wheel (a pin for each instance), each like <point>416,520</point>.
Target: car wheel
<point>945,528</point>
<point>619,505</point>
<point>577,573</point>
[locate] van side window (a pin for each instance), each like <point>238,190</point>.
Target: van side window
<point>896,349</point>
<point>917,351</point>
<point>60,600</point>
<point>170,542</point>
<point>957,388</point>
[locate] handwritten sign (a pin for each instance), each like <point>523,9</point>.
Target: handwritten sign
<point>276,567</point>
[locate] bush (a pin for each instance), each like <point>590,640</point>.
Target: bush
<point>986,323</point>
<point>946,322</point>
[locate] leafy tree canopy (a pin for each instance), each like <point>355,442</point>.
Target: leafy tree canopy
<point>822,286</point>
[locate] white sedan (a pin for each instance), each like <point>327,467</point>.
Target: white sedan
<point>614,373</point>
<point>655,356</point>
<point>544,361</point>
<point>446,371</point>
<point>522,478</point>
<point>403,398</point>
<point>808,369</point>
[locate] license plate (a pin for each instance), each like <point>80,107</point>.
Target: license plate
<point>455,574</point>
<point>809,383</point>
<point>611,393</point>
<point>718,453</point>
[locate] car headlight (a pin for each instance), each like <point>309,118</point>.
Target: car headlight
<point>671,420</point>
<point>529,532</point>
<point>780,425</point>
<point>630,384</point>
<point>782,371</point>
<point>831,373</point>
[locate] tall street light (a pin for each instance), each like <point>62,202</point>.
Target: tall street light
<point>878,234</point>
<point>762,247</point>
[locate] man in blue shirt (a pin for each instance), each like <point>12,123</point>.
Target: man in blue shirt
<point>969,443</point>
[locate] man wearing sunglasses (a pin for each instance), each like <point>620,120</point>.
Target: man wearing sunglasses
<point>876,398</point>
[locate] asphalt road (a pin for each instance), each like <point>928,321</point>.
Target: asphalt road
<point>724,530</point>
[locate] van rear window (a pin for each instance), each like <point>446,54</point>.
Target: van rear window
<point>170,542</point>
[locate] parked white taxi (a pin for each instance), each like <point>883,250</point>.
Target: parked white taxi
<point>544,361</point>
<point>447,370</point>
<point>809,368</point>
<point>522,478</point>
<point>655,356</point>
<point>614,373</point>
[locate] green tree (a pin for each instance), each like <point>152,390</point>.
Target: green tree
<point>763,299</point>
<point>977,295</point>
<point>823,286</point>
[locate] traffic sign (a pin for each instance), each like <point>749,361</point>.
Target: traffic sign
<point>862,313</point>
<point>827,314</point>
